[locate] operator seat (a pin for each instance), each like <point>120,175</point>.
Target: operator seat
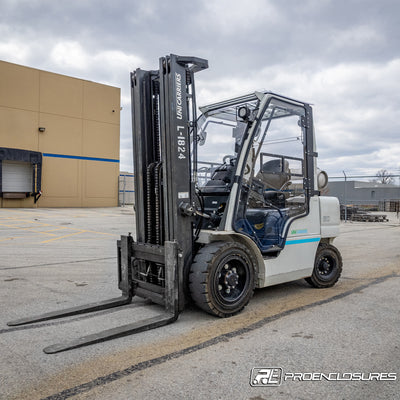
<point>273,176</point>
<point>222,178</point>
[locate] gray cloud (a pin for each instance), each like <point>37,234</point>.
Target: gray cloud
<point>343,56</point>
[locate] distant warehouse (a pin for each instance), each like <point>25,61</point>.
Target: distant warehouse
<point>361,193</point>
<point>59,140</point>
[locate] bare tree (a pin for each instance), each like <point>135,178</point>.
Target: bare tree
<point>383,176</point>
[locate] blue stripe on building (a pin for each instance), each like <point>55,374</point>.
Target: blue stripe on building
<point>80,157</point>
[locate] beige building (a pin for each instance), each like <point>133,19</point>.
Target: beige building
<point>59,140</point>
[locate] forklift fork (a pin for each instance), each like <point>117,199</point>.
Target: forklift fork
<point>128,285</point>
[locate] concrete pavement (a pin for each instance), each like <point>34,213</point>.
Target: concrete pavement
<point>58,258</point>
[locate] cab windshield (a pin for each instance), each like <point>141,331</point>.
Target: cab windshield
<point>220,135</point>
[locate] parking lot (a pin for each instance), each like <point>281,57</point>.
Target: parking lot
<point>57,258</point>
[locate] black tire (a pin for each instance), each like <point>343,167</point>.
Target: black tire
<point>222,278</point>
<point>327,266</point>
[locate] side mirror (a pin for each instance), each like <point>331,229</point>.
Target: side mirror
<point>202,138</point>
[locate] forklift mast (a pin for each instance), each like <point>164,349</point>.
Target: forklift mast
<point>164,126</point>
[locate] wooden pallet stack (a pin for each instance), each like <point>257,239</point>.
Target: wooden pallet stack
<point>356,214</point>
<point>366,217</point>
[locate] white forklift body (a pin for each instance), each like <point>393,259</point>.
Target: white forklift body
<point>294,256</point>
<point>296,260</point>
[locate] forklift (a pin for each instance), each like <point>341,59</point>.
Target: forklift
<point>225,203</point>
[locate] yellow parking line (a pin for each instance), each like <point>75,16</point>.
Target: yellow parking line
<point>42,232</point>
<point>19,222</point>
<point>58,229</point>
<point>103,233</point>
<point>10,238</point>
<point>8,211</point>
<point>31,230</point>
<point>10,226</point>
<point>62,237</point>
<point>26,221</point>
<point>14,222</point>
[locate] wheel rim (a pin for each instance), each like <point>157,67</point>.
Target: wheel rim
<point>231,279</point>
<point>326,266</point>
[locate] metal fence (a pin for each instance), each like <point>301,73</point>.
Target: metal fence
<point>389,205</point>
<point>126,189</point>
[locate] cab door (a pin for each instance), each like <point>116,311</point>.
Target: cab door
<point>278,190</point>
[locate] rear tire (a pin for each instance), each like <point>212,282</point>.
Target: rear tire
<point>222,278</point>
<point>327,267</point>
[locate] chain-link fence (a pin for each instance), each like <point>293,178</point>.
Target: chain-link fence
<point>126,189</point>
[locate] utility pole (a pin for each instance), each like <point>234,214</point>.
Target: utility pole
<point>344,194</point>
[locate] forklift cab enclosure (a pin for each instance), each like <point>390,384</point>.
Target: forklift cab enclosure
<point>257,180</point>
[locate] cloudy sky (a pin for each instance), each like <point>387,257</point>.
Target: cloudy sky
<point>341,55</point>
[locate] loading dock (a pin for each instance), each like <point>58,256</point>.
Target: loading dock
<point>71,125</point>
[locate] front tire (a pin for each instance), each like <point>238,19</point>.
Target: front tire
<point>222,278</point>
<point>327,267</point>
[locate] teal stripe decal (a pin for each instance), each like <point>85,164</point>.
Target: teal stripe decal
<point>80,157</point>
<point>298,241</point>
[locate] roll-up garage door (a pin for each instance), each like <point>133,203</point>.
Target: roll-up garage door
<point>17,176</point>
